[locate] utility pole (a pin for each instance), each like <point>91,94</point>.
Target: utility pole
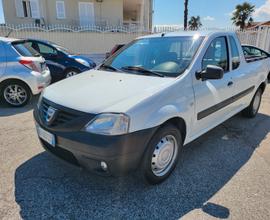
<point>186,14</point>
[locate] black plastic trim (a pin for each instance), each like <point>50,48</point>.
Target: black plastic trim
<point>217,107</point>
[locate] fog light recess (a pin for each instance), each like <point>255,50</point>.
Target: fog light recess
<point>104,166</point>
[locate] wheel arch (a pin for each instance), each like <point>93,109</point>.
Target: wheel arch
<point>4,82</point>
<point>180,124</point>
<point>69,68</point>
<point>262,86</point>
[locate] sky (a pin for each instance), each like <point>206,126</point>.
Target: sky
<point>213,13</point>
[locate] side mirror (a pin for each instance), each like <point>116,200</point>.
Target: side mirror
<point>211,72</point>
<point>52,55</point>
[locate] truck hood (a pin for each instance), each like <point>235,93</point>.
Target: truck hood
<point>97,91</point>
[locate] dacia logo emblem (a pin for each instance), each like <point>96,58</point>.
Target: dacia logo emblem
<point>50,115</point>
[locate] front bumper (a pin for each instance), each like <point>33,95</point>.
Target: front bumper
<point>122,153</point>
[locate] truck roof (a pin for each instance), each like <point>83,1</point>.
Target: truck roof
<point>187,33</point>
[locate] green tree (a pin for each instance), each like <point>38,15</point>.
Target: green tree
<point>186,14</point>
<point>242,15</point>
<point>194,23</point>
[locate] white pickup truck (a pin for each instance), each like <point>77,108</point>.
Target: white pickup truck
<point>155,95</point>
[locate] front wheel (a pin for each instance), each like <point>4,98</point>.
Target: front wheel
<point>162,154</point>
<point>252,110</point>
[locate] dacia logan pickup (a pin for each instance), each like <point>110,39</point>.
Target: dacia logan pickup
<point>143,104</point>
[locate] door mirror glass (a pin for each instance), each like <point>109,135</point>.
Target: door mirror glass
<point>211,72</point>
<point>53,55</point>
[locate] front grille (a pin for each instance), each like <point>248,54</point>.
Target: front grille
<point>62,116</point>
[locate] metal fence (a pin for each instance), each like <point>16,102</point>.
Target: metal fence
<point>256,37</point>
<point>83,39</point>
<point>100,39</point>
<point>259,38</point>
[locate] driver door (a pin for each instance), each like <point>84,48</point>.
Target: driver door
<point>212,97</point>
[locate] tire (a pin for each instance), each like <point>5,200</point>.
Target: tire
<point>252,110</point>
<point>15,93</point>
<point>71,72</point>
<point>162,154</point>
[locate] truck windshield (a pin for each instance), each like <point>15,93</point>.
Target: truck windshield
<point>166,56</point>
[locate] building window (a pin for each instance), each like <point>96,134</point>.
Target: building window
<point>27,8</point>
<point>60,10</point>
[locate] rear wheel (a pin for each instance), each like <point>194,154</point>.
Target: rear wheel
<point>16,93</point>
<point>162,154</point>
<point>252,110</point>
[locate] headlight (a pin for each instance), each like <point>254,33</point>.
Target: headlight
<point>40,99</point>
<point>83,62</point>
<point>109,124</point>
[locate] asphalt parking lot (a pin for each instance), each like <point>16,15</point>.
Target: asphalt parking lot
<point>225,174</point>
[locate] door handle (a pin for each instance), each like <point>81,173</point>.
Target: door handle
<point>230,83</point>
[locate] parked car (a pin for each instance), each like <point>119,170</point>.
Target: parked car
<point>144,104</point>
<point>61,62</point>
<point>114,50</point>
<point>252,52</point>
<point>23,72</point>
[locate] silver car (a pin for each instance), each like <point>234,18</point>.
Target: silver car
<point>23,72</point>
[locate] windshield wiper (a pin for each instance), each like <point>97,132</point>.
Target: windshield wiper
<point>142,70</point>
<point>110,67</point>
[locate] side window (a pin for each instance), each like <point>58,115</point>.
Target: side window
<point>46,50</point>
<point>217,54</point>
<point>235,54</point>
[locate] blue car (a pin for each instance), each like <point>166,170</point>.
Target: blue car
<point>61,62</point>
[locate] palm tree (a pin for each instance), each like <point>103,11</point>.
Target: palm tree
<point>194,23</point>
<point>242,15</point>
<point>186,15</point>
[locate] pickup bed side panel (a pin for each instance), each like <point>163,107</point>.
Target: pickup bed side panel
<point>248,77</point>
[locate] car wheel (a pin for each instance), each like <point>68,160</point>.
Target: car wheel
<point>16,93</point>
<point>252,110</point>
<point>162,154</point>
<point>71,72</point>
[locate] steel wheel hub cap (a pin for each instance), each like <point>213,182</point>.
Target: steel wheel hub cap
<point>15,94</point>
<point>164,155</point>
